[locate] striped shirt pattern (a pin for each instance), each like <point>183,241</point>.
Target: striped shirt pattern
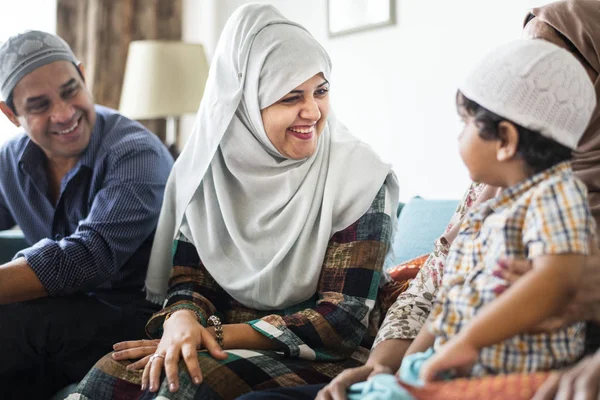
<point>99,234</point>
<point>546,214</point>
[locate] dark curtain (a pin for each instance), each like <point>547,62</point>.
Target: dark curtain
<point>99,32</point>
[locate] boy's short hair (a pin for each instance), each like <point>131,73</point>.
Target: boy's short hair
<point>538,152</point>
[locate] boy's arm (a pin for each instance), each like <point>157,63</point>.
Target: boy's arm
<point>529,301</point>
<point>538,295</point>
<point>422,342</point>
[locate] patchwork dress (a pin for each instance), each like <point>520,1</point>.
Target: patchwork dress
<point>320,337</point>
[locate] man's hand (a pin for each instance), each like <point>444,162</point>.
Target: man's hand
<point>139,350</point>
<point>578,382</point>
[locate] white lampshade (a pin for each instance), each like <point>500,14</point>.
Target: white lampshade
<point>163,79</point>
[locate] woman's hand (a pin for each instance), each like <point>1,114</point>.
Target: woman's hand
<point>337,389</point>
<point>458,355</point>
<point>182,337</point>
<point>135,349</point>
<point>586,303</point>
<point>578,382</point>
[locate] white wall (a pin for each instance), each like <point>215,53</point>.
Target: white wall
<point>19,16</point>
<point>394,87</point>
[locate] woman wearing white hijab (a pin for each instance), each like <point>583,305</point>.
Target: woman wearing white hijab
<point>272,235</point>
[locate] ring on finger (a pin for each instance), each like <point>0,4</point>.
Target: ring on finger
<point>155,356</point>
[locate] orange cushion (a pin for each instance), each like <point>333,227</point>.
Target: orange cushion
<point>408,269</point>
<point>500,387</point>
<point>401,276</point>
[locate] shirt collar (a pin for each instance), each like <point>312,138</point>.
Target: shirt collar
<point>88,158</point>
<point>511,194</point>
<point>32,160</point>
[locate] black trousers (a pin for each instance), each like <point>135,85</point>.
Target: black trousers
<point>48,343</point>
<point>305,392</point>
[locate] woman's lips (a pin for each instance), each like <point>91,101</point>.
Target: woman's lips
<point>302,133</point>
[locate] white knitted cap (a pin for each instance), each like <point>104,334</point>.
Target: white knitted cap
<point>537,85</point>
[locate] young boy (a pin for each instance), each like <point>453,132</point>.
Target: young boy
<point>525,107</point>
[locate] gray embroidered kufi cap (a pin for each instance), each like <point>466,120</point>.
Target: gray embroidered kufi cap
<point>23,53</point>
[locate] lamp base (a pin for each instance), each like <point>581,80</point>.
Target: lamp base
<point>172,134</point>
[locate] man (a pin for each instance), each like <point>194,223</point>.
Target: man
<point>85,185</point>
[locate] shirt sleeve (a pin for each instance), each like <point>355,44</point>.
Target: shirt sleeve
<point>6,219</point>
<point>411,309</point>
<point>124,213</point>
<point>346,292</point>
<point>191,287</point>
<point>559,220</point>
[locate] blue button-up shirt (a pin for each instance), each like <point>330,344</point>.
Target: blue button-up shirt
<point>98,236</point>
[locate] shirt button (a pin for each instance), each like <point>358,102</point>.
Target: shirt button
<point>58,237</point>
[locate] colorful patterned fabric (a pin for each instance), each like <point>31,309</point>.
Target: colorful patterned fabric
<point>408,386</point>
<point>407,270</point>
<point>320,337</point>
<point>243,371</point>
<point>401,275</point>
<point>515,386</point>
<point>543,215</point>
<point>501,387</point>
<point>411,308</point>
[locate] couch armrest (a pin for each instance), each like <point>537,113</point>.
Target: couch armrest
<point>10,243</point>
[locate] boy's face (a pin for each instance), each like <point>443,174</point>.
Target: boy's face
<point>479,155</point>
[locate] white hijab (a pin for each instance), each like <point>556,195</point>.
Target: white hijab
<point>261,222</point>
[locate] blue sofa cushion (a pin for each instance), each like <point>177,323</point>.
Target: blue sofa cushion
<point>420,223</point>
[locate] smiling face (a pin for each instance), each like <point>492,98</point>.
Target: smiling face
<point>56,110</point>
<point>294,123</point>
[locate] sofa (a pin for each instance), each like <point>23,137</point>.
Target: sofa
<point>10,243</point>
<point>420,223</point>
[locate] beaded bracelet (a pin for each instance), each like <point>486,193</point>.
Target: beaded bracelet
<point>213,320</point>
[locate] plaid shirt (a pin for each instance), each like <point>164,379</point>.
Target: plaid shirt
<point>329,326</point>
<point>545,214</point>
